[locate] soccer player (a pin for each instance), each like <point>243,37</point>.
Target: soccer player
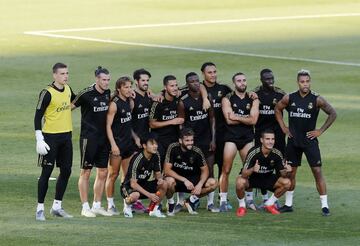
<point>53,139</point>
<point>303,108</point>
<point>269,95</point>
<point>203,124</point>
<point>137,185</point>
<point>258,172</point>
<point>216,92</point>
<point>120,135</point>
<point>94,102</point>
<point>164,119</point>
<point>241,113</point>
<point>186,171</point>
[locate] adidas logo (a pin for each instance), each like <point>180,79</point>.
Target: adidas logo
<point>234,105</point>
<point>191,108</point>
<point>95,99</point>
<point>293,104</point>
<point>140,106</point>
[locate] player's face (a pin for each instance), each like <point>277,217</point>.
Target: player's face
<point>210,75</point>
<point>61,76</point>
<point>143,83</point>
<point>187,142</point>
<point>125,90</point>
<point>304,84</point>
<point>268,141</point>
<point>240,83</point>
<point>103,80</point>
<point>194,83</point>
<point>151,146</point>
<point>172,88</point>
<point>267,80</point>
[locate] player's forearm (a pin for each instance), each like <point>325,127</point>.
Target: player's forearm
<point>330,119</point>
<point>135,186</point>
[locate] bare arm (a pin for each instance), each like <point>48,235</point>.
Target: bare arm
<point>246,172</point>
<point>204,95</point>
<point>279,108</point>
<point>212,128</point>
<point>109,120</point>
<point>171,173</point>
<point>134,185</point>
<point>251,120</point>
<point>227,111</point>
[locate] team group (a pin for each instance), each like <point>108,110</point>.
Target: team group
<point>168,143</point>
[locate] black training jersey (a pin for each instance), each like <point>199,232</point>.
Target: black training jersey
<point>140,114</point>
<point>274,161</point>
<point>164,111</point>
<point>94,106</point>
<point>185,163</point>
<point>121,126</point>
<point>216,93</point>
<point>303,114</point>
<point>268,100</point>
<point>197,119</point>
<point>240,107</point>
<point>141,168</point>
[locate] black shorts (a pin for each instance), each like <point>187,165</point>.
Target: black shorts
<point>180,186</point>
<point>150,186</point>
<point>311,151</point>
<point>126,148</point>
<point>93,153</point>
<point>263,181</point>
<point>61,150</point>
<point>241,142</point>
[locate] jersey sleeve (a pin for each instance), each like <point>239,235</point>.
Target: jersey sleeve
<point>279,160</point>
<point>73,95</point>
<point>200,156</point>
<point>157,166</point>
<point>169,157</point>
<point>79,99</point>
<point>43,103</point>
<point>250,159</point>
<point>134,167</point>
<point>154,112</point>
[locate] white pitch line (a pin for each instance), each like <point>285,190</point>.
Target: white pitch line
<point>275,18</point>
<point>192,49</point>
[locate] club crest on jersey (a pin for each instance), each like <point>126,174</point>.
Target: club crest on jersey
<point>178,157</point>
<point>275,101</point>
<point>310,106</point>
<point>248,106</point>
<point>272,163</point>
<point>191,160</point>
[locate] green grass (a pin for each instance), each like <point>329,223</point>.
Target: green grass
<point>25,63</point>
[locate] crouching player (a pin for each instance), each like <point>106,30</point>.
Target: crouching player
<point>186,171</point>
<point>137,185</point>
<point>258,172</point>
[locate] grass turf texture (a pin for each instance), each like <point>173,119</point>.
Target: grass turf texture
<point>25,63</point>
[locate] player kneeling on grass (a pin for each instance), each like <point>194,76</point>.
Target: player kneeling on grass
<point>258,172</point>
<point>186,171</point>
<point>137,185</point>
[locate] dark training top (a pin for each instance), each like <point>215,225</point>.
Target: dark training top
<point>94,106</point>
<point>303,113</point>
<point>140,114</point>
<point>185,163</point>
<point>121,126</point>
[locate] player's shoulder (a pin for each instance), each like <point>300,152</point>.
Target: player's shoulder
<point>253,151</point>
<point>279,90</point>
<point>277,152</point>
<point>225,87</point>
<point>184,97</point>
<point>314,93</point>
<point>86,90</point>
<point>230,94</point>
<point>257,89</point>
<point>174,145</point>
<point>197,150</point>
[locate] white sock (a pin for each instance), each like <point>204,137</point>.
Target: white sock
<point>39,207</point>
<point>249,196</point>
<point>85,205</point>
<point>156,207</point>
<point>242,203</point>
<point>171,200</point>
<point>180,197</point>
<point>210,198</point>
<point>223,197</point>
<point>289,198</point>
<point>266,196</point>
<point>193,198</point>
<point>56,205</point>
<point>324,202</point>
<point>96,205</point>
<point>271,200</point>
<point>127,205</point>
<point>110,201</point>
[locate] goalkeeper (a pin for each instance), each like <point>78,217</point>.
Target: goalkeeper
<point>53,139</point>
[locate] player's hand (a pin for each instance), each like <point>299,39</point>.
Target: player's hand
<point>132,94</point>
<point>196,191</point>
<point>313,134</point>
<point>42,147</point>
<point>160,181</point>
<point>137,142</point>
<point>212,146</point>
<point>206,104</point>
<point>178,121</point>
<point>232,116</point>
<point>253,95</point>
<point>288,168</point>
<point>154,198</point>
<point>188,185</point>
<point>256,166</point>
<point>158,98</point>
<point>115,151</point>
<point>286,131</point>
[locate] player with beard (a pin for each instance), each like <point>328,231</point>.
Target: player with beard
<point>303,108</point>
<point>241,113</point>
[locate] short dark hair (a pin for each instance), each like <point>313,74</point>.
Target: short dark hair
<point>167,78</point>
<point>58,66</point>
<point>137,73</point>
<point>237,74</point>
<point>303,72</point>
<point>101,70</point>
<point>206,64</point>
<point>265,70</point>
<point>187,76</point>
<point>267,131</point>
<point>187,131</point>
<point>148,137</point>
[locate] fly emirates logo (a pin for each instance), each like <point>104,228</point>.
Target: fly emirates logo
<point>300,114</point>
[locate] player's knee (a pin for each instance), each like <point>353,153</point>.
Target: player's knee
<point>171,181</point>
<point>101,173</point>
<point>85,174</point>
<point>286,184</point>
<point>212,183</point>
<point>240,183</point>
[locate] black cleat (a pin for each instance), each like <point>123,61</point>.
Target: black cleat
<point>325,211</point>
<point>286,209</point>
